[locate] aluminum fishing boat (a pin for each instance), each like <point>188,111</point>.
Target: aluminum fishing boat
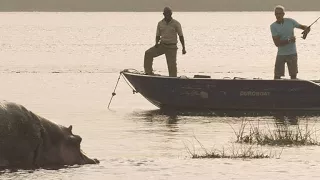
<point>204,92</point>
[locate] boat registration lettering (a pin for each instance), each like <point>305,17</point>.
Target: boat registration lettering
<point>202,94</point>
<point>254,93</point>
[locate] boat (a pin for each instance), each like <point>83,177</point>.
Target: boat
<point>202,92</point>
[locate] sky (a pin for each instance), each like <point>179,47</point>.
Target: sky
<point>157,5</point>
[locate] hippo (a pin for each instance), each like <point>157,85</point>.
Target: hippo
<point>29,141</point>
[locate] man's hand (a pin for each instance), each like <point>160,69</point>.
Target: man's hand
<point>292,39</point>
<point>184,51</point>
<point>305,32</point>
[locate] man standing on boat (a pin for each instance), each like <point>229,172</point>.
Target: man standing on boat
<point>166,43</point>
<point>283,37</point>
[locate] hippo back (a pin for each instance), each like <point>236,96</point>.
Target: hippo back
<point>20,136</point>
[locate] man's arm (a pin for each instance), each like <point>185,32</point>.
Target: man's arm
<point>276,37</point>
<point>158,34</point>
<point>157,41</point>
<point>182,42</point>
<point>181,38</point>
<point>306,30</point>
<point>303,27</point>
<point>278,42</point>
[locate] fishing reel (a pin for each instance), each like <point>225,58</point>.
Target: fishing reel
<point>305,33</point>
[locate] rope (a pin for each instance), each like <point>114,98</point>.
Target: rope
<point>114,91</point>
<point>133,90</point>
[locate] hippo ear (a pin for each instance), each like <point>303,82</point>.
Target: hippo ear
<point>70,128</point>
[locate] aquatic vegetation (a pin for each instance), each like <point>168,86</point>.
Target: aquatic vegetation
<point>234,152</point>
<point>279,135</point>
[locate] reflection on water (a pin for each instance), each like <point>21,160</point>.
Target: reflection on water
<point>281,118</point>
<point>150,118</point>
<point>171,117</point>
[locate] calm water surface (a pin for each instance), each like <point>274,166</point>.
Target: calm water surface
<point>64,66</point>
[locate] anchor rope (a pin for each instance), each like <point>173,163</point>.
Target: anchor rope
<point>128,70</point>
<point>133,90</point>
<point>114,91</point>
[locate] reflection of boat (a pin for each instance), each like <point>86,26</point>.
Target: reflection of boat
<point>226,94</point>
<point>231,113</point>
<point>173,116</point>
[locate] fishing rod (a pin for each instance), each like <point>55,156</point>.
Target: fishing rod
<point>305,32</point>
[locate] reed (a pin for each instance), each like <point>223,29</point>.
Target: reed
<point>233,152</point>
<point>279,135</point>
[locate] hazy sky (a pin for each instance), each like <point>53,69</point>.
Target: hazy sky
<point>156,5</point>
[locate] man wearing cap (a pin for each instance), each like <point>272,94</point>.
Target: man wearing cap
<point>282,31</point>
<point>166,43</point>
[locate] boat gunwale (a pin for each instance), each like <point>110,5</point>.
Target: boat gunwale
<point>316,82</point>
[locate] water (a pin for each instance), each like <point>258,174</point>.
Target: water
<point>64,66</point>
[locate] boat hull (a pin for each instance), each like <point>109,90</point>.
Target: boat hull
<point>226,94</point>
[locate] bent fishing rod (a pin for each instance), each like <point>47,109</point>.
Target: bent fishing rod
<point>305,32</point>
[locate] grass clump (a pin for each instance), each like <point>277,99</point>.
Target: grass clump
<point>279,135</point>
<point>234,152</point>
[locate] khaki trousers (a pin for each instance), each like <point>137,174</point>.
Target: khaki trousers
<point>292,63</point>
<point>171,56</point>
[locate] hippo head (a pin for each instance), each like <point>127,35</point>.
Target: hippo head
<point>61,147</point>
<point>70,150</point>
